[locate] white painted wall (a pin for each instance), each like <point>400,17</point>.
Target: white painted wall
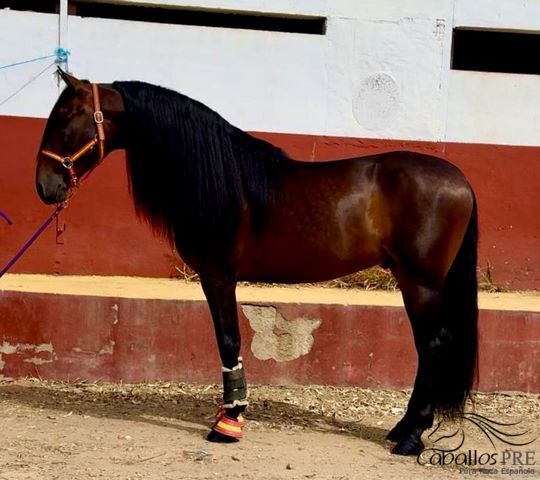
<point>381,71</point>
<point>494,108</point>
<point>263,81</point>
<point>24,36</point>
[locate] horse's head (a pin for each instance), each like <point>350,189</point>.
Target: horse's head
<point>80,131</point>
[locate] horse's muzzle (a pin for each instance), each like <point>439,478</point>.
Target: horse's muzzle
<point>52,188</point>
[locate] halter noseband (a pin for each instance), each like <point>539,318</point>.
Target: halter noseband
<point>99,139</point>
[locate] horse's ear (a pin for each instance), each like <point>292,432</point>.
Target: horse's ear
<point>68,79</point>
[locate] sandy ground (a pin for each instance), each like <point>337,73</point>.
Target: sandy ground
<point>132,287</point>
<point>86,431</point>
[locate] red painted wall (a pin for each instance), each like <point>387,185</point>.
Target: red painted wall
<point>103,237</point>
<point>133,340</point>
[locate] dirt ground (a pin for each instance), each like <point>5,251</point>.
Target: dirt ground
<point>157,431</point>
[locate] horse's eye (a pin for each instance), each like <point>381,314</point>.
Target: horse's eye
<point>70,113</point>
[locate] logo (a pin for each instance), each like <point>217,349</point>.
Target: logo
<point>513,459</point>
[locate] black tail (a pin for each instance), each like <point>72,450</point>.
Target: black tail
<point>456,375</point>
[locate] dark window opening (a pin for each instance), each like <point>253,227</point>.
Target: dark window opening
<point>179,16</point>
<point>41,6</point>
<point>496,51</point>
<point>206,18</point>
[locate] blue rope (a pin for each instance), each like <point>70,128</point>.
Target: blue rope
<point>35,77</point>
<point>16,64</point>
<point>60,53</point>
<point>61,57</point>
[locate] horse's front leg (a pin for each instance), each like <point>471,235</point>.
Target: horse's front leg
<point>221,296</point>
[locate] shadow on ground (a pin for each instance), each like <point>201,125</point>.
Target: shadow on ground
<point>190,411</point>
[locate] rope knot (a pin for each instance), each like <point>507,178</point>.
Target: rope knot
<point>61,55</point>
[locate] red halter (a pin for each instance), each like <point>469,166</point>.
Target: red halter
<point>99,139</point>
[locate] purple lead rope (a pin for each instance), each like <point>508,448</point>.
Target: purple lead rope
<point>5,217</point>
<point>33,238</point>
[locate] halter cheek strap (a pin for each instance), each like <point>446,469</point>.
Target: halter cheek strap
<point>99,139</point>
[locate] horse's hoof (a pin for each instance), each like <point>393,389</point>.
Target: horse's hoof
<point>399,431</point>
<point>408,446</point>
<point>217,437</point>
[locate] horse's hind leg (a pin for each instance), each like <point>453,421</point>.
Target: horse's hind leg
<point>220,293</point>
<point>424,307</point>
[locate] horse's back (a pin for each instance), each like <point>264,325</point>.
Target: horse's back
<point>338,217</point>
<point>393,171</point>
<point>319,227</point>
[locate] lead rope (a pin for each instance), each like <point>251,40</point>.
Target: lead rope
<point>33,238</point>
<point>61,57</point>
<point>6,218</point>
<point>61,206</point>
<point>74,181</point>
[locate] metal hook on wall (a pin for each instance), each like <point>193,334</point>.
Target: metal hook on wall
<point>60,229</point>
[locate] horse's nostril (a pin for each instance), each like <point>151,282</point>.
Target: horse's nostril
<point>40,190</point>
<point>47,195</point>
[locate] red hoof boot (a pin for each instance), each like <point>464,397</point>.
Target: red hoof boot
<point>225,426</point>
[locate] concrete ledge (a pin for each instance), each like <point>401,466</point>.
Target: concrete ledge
<point>131,330</point>
<point>169,289</point>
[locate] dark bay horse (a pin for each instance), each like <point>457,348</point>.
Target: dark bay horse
<point>238,208</point>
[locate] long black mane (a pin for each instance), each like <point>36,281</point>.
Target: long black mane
<point>191,172</point>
